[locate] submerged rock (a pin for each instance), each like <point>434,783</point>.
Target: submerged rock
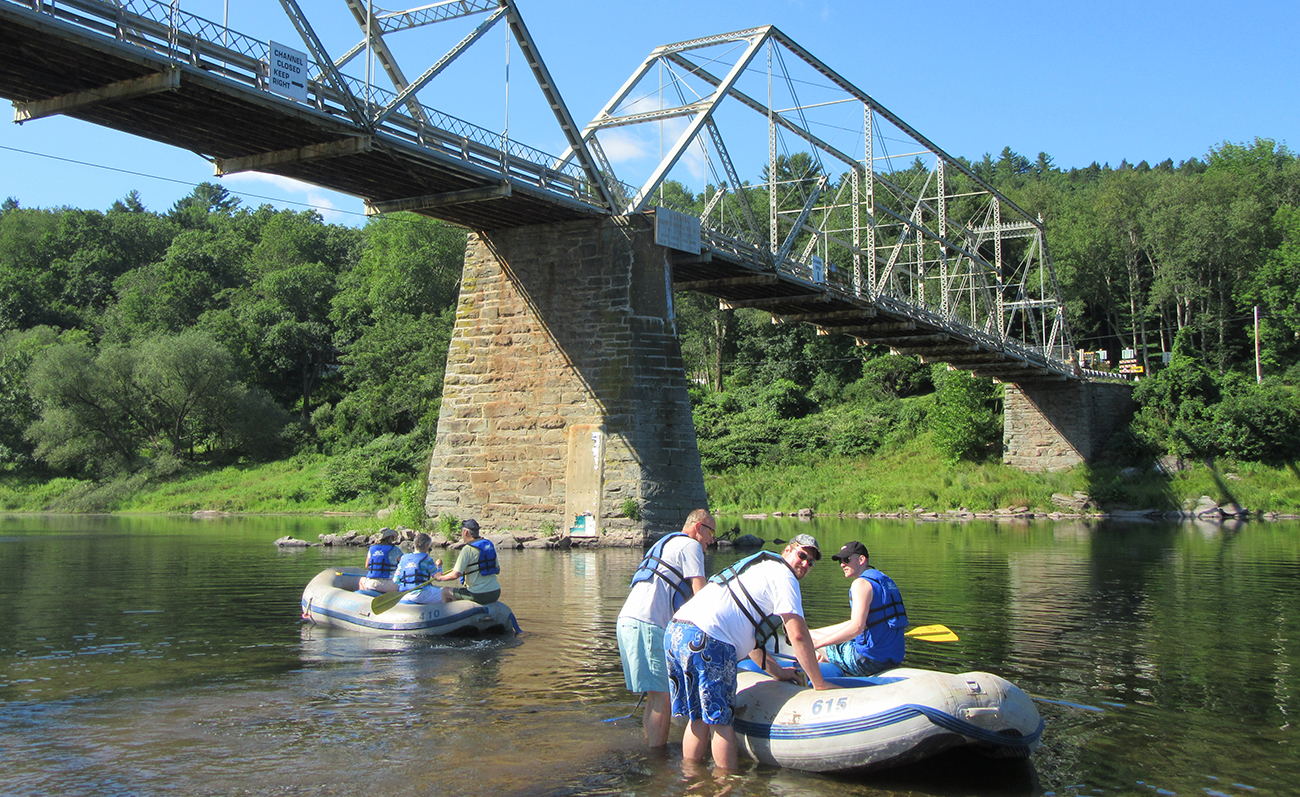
<point>747,542</point>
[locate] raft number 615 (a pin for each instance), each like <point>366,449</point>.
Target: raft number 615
<point>830,704</point>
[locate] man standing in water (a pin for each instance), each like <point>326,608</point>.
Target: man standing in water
<point>871,640</point>
<point>735,613</point>
<point>477,562</point>
<point>671,572</point>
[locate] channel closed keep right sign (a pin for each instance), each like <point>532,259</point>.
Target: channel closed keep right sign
<point>288,71</point>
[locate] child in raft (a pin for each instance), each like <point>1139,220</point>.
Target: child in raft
<point>414,571</point>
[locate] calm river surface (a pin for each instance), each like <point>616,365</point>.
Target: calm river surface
<point>142,656</point>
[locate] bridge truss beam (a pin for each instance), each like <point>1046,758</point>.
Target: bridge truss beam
<point>906,229</point>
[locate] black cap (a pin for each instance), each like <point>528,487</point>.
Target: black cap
<point>470,524</point>
<point>854,548</point>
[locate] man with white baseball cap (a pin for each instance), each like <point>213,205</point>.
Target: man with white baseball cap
<point>726,621</point>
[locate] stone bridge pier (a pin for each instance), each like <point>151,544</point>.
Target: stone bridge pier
<point>1052,426</point>
<point>565,391</point>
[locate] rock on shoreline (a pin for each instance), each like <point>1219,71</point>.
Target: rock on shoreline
<point>1080,506</point>
<point>1070,507</point>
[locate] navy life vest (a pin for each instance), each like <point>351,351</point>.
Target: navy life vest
<point>882,638</point>
<point>413,570</point>
<point>379,562</point>
<point>487,559</point>
<point>653,565</point>
<point>765,626</point>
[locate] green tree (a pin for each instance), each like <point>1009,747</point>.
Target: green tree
<point>90,410</point>
<point>394,313</point>
<point>964,421</point>
<point>112,409</point>
<point>18,408</point>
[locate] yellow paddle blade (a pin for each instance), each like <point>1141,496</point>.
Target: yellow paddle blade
<point>932,633</point>
<point>385,602</point>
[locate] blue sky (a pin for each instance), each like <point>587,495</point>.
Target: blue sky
<point>1083,82</point>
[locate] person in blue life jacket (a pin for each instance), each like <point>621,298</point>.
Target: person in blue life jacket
<point>671,572</point>
<point>416,570</point>
<point>871,640</point>
<point>726,621</point>
<point>477,562</point>
<point>381,563</point>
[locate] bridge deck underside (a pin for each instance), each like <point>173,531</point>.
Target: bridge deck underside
<point>871,323</point>
<point>219,118</point>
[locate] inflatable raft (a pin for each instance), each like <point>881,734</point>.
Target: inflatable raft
<point>332,599</point>
<point>897,717</point>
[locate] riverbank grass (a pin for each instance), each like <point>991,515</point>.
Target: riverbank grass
<point>287,487</point>
<point>913,477</point>
<point>906,478</point>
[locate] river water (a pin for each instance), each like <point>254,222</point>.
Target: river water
<point>142,656</point>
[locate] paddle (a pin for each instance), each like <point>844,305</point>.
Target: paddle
<point>390,599</point>
<point>932,633</point>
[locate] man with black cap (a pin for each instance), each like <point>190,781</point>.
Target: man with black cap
<point>477,562</point>
<point>871,640</point>
<point>726,621</point>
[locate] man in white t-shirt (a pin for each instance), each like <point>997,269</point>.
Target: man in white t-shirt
<point>671,572</point>
<point>714,630</point>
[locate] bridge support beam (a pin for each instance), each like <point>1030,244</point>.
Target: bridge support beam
<point>1050,426</point>
<point>564,390</point>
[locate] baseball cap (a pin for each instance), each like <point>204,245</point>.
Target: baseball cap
<point>808,541</point>
<point>854,548</point>
<point>470,524</point>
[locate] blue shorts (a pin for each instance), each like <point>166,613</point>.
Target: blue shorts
<point>701,674</point>
<point>641,647</point>
<point>851,664</point>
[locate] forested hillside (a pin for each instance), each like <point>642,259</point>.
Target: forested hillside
<point>136,345</point>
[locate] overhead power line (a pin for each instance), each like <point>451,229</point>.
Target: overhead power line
<point>180,182</point>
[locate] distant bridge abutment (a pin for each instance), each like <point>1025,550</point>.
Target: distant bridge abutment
<point>565,391</point>
<point>1049,426</point>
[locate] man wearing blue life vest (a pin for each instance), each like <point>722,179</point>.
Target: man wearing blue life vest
<point>736,612</point>
<point>415,570</point>
<point>477,562</point>
<point>871,640</point>
<point>671,572</point>
<point>381,563</point>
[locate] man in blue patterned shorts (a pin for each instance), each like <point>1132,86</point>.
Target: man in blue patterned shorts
<point>720,625</point>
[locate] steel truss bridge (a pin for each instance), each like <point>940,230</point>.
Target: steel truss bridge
<point>853,221</point>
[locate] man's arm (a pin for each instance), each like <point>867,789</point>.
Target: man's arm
<point>455,572</point>
<point>697,583</point>
<point>859,606</point>
<point>801,640</point>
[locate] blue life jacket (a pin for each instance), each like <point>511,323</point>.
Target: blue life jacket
<point>882,638</point>
<point>487,559</point>
<point>765,626</point>
<point>414,569</point>
<point>380,562</point>
<point>654,565</point>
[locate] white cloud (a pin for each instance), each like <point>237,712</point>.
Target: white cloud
<point>621,145</point>
<point>294,193</point>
